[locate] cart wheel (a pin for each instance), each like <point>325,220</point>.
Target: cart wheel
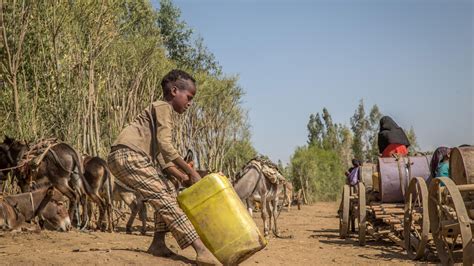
<point>362,214</point>
<point>449,220</point>
<point>416,221</point>
<point>344,216</point>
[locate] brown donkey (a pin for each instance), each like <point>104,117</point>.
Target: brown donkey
<point>47,203</point>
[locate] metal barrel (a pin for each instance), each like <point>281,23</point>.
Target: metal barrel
<point>461,165</point>
<point>366,171</point>
<point>395,175</point>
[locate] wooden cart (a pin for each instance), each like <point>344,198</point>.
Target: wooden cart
<point>387,219</point>
<point>451,209</point>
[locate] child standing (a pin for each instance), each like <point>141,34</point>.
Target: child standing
<point>147,143</point>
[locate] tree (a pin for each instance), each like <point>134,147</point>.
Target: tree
<point>359,126</point>
<point>330,132</point>
<point>413,142</point>
<point>14,21</point>
<point>318,172</point>
<point>374,119</point>
<point>345,144</point>
<point>86,69</point>
<point>178,39</point>
<point>315,130</point>
<point>176,33</point>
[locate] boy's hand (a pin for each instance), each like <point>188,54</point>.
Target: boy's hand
<point>194,179</point>
<point>190,172</point>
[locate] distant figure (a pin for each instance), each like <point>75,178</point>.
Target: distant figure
<point>352,174</point>
<point>438,157</point>
<point>392,139</point>
<point>443,168</point>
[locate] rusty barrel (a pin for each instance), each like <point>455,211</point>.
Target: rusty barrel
<point>461,165</point>
<point>395,175</point>
<point>366,172</point>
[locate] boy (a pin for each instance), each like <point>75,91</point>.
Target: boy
<point>144,144</point>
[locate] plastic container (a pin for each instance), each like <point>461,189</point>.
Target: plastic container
<point>221,220</point>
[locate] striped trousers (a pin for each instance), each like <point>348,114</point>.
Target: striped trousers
<point>137,172</point>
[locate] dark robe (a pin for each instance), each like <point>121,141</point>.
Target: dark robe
<point>390,133</point>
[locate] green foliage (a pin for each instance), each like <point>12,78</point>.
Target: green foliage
<point>178,39</point>
<point>372,146</point>
<point>83,70</point>
<point>413,142</point>
<point>359,126</point>
<point>319,171</point>
<point>315,130</point>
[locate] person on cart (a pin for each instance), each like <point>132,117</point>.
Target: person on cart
<point>392,140</point>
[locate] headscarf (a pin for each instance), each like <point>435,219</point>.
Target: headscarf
<point>390,133</point>
<point>438,156</point>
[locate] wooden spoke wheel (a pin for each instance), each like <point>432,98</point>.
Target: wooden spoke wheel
<point>416,226</point>
<point>362,213</point>
<point>344,212</point>
<point>449,222</point>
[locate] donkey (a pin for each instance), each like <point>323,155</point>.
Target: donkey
<point>97,174</point>
<point>47,203</point>
<point>11,151</point>
<point>134,201</point>
<point>62,167</point>
<point>253,185</point>
<point>288,194</point>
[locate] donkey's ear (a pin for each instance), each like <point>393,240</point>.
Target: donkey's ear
<point>8,140</point>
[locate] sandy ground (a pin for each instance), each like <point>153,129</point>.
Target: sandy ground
<point>315,242</point>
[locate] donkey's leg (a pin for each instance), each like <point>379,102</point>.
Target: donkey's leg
<point>85,216</point>
<point>143,215</point>
<point>269,207</point>
<point>250,206</point>
<point>101,223</point>
<point>134,210</point>
<point>264,211</point>
<point>130,200</point>
<point>275,216</point>
<point>90,209</point>
<point>64,188</point>
<point>288,198</point>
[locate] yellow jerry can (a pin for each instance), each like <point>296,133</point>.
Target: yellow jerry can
<point>221,220</point>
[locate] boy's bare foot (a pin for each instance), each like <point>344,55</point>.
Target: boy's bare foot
<point>158,246</point>
<point>204,260</point>
<point>203,256</point>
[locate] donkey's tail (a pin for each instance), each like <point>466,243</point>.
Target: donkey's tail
<point>80,171</point>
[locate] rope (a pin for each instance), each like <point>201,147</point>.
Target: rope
<point>14,167</point>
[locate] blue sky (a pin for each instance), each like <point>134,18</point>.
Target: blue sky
<point>414,59</point>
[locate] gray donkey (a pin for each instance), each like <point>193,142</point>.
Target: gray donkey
<point>253,185</point>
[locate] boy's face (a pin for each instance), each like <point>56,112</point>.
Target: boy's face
<point>183,93</point>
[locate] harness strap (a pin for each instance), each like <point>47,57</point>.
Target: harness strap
<point>260,174</point>
<point>32,202</point>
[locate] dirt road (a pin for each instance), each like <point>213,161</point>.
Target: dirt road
<point>315,242</point>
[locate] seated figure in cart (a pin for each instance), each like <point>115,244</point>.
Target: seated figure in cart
<point>391,138</point>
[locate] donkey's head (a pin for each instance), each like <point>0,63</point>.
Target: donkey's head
<point>55,215</point>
